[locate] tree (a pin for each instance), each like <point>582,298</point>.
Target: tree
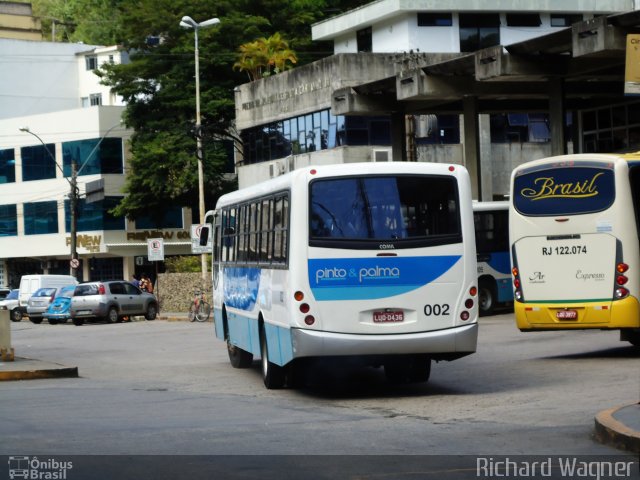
<point>159,88</point>
<point>265,56</point>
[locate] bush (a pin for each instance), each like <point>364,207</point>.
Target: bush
<point>185,264</point>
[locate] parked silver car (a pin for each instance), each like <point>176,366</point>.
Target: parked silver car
<point>40,301</point>
<point>111,301</point>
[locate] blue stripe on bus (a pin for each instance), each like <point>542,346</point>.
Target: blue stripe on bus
<point>371,278</point>
<point>241,287</point>
<point>500,262</point>
<point>244,333</point>
<point>505,290</point>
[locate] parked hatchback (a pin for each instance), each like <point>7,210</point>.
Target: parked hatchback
<point>40,301</point>
<point>111,301</point>
<point>58,310</point>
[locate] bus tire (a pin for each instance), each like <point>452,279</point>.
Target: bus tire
<point>487,297</point>
<point>238,357</point>
<point>407,369</point>
<point>273,375</point>
<point>630,335</point>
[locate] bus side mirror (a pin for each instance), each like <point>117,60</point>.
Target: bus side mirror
<point>204,236</point>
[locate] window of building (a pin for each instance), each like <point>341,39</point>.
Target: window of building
<point>437,129</point>
<point>105,269</point>
<point>95,216</point>
<point>523,20</point>
<point>8,221</point>
<point>38,162</point>
<point>315,131</point>
<point>91,62</point>
<point>91,158</point>
<point>435,19</point>
<point>611,129</point>
<point>95,99</point>
<point>40,218</point>
<point>172,219</point>
<point>520,128</point>
<point>564,19</point>
<point>365,40</point>
<point>478,31</point>
<point>7,166</point>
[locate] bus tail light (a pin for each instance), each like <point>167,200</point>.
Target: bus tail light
<point>309,320</point>
<point>464,315</point>
<point>620,292</point>
<point>468,303</point>
<point>473,291</point>
<point>299,296</point>
<point>304,308</point>
<point>517,293</point>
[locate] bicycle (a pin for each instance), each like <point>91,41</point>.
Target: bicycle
<point>200,309</point>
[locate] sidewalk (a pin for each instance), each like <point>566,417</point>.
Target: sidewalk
<point>620,427</point>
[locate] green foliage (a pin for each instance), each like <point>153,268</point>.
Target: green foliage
<point>159,86</point>
<point>185,264</point>
<point>265,56</point>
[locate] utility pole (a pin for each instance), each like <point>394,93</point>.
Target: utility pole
<point>73,207</point>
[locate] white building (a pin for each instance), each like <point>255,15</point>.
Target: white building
<point>54,112</point>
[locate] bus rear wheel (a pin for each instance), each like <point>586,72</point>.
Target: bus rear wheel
<point>273,375</point>
<point>487,297</point>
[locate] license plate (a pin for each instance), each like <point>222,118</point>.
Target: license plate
<point>566,314</point>
<point>388,317</point>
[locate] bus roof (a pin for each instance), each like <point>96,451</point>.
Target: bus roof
<point>284,182</point>
<point>582,157</point>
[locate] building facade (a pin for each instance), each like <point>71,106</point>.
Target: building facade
<point>54,114</point>
<point>403,84</point>
<point>17,22</point>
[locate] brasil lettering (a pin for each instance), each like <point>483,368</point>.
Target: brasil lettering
<point>546,187</point>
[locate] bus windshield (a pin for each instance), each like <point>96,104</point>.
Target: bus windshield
<point>384,209</point>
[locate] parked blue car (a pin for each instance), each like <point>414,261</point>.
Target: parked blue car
<point>58,310</point>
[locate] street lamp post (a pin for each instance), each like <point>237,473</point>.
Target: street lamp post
<point>188,22</point>
<point>74,194</point>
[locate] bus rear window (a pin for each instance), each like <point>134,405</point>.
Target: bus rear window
<point>564,190</point>
<point>396,209</point>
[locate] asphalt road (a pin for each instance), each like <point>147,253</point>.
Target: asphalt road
<point>167,388</point>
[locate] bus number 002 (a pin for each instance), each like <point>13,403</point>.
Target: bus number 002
<point>436,309</point>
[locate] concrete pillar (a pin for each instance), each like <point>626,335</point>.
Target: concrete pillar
<point>472,144</point>
<point>398,140</point>
<point>6,351</point>
<point>557,116</point>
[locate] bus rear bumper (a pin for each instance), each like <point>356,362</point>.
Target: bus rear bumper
<point>445,344</point>
<point>597,315</point>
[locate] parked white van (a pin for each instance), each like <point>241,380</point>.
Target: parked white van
<point>30,283</point>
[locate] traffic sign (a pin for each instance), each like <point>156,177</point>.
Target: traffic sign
<point>74,263</point>
<point>155,249</point>
<point>195,240</point>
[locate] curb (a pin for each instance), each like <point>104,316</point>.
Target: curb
<point>614,433</point>
<point>48,370</point>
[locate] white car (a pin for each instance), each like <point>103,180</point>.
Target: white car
<point>12,303</point>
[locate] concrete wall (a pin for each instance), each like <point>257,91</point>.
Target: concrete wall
<point>306,89</point>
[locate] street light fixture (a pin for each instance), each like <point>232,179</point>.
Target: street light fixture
<point>74,194</point>
<point>188,22</point>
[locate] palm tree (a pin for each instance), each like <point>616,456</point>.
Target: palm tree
<point>265,56</point>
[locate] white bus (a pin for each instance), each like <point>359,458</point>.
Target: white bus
<point>371,261</point>
<point>492,247</point>
<point>574,243</point>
